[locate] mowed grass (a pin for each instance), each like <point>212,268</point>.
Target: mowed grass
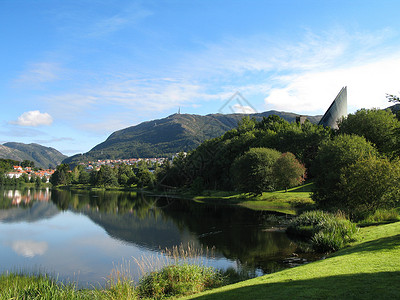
<point>280,201</point>
<point>369,269</point>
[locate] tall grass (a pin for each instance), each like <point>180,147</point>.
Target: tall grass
<point>178,271</point>
<point>325,231</point>
<point>381,216</point>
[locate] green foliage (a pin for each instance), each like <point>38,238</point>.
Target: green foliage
<point>288,171</point>
<point>61,176</point>
<point>212,160</point>
<point>126,176</point>
<point>332,157</point>
<point>27,163</point>
<point>252,172</point>
<point>381,216</point>
<point>106,177</point>
<point>369,184</point>
<point>145,178</point>
<point>376,125</point>
<point>178,280</point>
<point>326,232</point>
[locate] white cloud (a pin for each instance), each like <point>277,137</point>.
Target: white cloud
<point>314,91</point>
<point>243,109</point>
<point>34,118</point>
<point>29,248</point>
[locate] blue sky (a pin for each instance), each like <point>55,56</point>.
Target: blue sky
<point>73,72</point>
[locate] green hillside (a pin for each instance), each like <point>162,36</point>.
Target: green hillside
<point>43,157</point>
<point>170,135</point>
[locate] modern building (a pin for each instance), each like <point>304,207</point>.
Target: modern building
<point>336,111</point>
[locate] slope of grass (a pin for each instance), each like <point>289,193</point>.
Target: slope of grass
<point>370,269</point>
<point>281,201</point>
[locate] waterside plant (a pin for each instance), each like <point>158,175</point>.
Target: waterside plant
<point>325,231</point>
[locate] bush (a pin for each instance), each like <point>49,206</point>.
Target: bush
<point>178,280</point>
<point>326,232</point>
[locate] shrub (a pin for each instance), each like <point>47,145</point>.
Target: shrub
<point>178,280</point>
<point>326,232</point>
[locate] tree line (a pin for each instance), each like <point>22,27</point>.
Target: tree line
<point>122,175</point>
<point>354,168</point>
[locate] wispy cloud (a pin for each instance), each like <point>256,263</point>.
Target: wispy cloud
<point>13,131</point>
<point>38,73</point>
<point>302,75</point>
<point>108,25</point>
<point>53,140</point>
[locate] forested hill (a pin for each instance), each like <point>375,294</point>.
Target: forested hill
<point>167,136</point>
<point>43,157</point>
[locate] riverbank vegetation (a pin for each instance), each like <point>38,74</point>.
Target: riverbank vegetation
<point>324,231</point>
<point>369,269</point>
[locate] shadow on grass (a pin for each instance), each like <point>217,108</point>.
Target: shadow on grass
<point>384,285</point>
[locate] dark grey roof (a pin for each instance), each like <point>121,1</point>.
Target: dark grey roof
<point>337,110</point>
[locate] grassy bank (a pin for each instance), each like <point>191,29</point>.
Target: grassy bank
<point>289,202</point>
<point>370,269</point>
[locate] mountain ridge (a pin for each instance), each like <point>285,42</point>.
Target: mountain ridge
<point>166,136</point>
<point>43,157</point>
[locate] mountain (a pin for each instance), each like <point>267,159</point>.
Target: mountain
<point>43,157</point>
<point>167,136</point>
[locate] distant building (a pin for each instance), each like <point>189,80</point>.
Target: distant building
<point>301,119</point>
<point>336,111</point>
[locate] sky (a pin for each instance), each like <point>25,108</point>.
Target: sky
<point>75,71</point>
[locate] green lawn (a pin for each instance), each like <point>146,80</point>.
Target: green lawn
<point>281,201</point>
<point>369,269</point>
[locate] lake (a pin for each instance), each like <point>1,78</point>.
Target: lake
<point>82,235</point>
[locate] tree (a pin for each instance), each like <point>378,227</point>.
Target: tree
<point>24,178</point>
<point>106,177</point>
<point>84,177</point>
<point>125,174</point>
<point>288,171</point>
<point>252,171</point>
<point>38,182</point>
<point>332,157</point>
<point>376,125</point>
<point>369,184</point>
<point>61,176</point>
<point>393,98</point>
<point>27,164</point>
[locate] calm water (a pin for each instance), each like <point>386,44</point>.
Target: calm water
<point>82,235</point>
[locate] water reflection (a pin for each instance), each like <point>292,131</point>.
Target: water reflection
<point>77,225</point>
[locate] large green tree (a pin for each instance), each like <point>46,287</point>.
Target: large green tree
<point>61,176</point>
<point>106,177</point>
<point>369,184</point>
<point>377,126</point>
<point>332,157</point>
<point>252,171</point>
<point>288,171</point>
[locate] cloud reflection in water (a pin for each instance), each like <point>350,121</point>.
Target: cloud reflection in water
<point>29,248</point>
